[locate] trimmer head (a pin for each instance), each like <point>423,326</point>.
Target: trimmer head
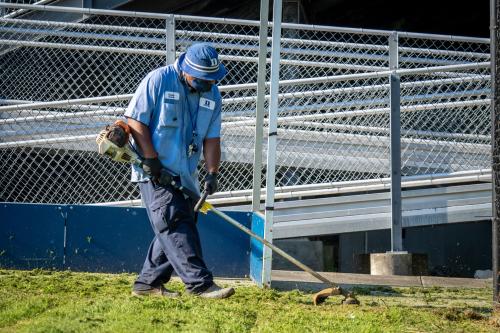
<point>322,295</point>
<point>350,299</point>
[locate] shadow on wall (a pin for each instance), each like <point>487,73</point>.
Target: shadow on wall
<point>456,250</point>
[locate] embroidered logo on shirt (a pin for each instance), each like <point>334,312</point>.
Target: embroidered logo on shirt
<point>171,95</point>
<point>207,103</point>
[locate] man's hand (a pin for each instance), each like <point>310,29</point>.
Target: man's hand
<point>152,167</point>
<point>211,183</point>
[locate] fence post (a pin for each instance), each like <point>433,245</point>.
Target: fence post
<point>495,145</point>
<point>271,143</point>
<point>395,130</point>
<point>261,99</point>
<point>394,51</point>
<point>170,39</point>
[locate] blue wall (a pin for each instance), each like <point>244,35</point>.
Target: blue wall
<point>107,239</point>
<point>256,253</point>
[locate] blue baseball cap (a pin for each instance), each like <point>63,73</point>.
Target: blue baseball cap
<point>202,61</point>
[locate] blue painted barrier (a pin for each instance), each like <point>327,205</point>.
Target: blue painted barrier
<point>31,236</point>
<point>107,239</point>
<point>256,249</point>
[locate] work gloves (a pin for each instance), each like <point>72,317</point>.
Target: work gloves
<point>211,183</point>
<point>152,167</point>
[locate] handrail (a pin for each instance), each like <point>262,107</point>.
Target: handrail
<point>302,191</point>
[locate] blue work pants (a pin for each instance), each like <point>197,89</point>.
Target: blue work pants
<point>176,245</point>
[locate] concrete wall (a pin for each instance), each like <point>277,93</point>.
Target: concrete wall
<point>307,251</point>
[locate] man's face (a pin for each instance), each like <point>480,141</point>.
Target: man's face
<point>198,84</point>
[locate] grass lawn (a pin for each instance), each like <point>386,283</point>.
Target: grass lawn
<point>50,301</point>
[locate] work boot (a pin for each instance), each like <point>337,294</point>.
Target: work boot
<point>156,291</point>
<point>216,292</point>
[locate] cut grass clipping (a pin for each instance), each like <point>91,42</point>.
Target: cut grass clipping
<point>50,301</point>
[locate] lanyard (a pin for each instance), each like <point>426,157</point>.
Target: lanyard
<point>193,147</point>
<point>193,120</point>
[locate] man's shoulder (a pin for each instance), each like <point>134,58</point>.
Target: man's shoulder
<point>160,73</point>
<point>216,93</point>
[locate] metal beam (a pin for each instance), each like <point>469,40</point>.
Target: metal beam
<point>495,139</point>
<point>271,141</point>
<point>170,39</point>
<point>261,99</point>
<point>395,135</point>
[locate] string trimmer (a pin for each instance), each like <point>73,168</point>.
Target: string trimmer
<point>113,142</point>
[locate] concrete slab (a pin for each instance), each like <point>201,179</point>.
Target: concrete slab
<point>391,263</point>
<point>438,281</point>
<point>348,278</point>
<point>288,280</point>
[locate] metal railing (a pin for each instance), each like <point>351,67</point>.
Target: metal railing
<point>67,72</point>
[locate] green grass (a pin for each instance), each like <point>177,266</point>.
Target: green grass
<point>50,301</point>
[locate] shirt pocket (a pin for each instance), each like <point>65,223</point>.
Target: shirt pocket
<point>169,116</point>
<point>204,120</point>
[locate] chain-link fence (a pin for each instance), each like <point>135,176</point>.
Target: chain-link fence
<point>64,75</point>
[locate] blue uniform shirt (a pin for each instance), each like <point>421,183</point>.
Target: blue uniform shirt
<point>165,104</point>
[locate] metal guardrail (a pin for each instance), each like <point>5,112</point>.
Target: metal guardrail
<point>468,203</point>
<point>324,209</point>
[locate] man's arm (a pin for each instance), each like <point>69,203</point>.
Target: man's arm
<point>142,138</point>
<point>211,153</point>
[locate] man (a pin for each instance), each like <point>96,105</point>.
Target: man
<point>175,114</point>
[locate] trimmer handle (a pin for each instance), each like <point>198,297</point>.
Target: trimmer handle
<point>201,201</point>
<point>167,179</point>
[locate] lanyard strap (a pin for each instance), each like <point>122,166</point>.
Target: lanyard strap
<point>192,120</point>
<point>192,147</point>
